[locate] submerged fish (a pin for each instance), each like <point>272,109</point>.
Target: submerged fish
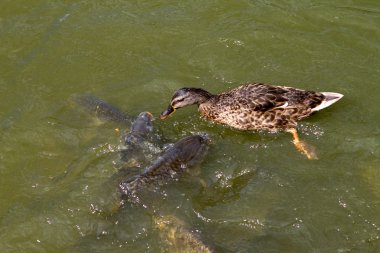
<point>101,109</point>
<point>172,162</point>
<point>141,127</point>
<point>179,236</point>
<point>175,160</point>
<point>139,139</point>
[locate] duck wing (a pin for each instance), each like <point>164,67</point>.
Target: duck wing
<point>260,97</point>
<point>264,97</point>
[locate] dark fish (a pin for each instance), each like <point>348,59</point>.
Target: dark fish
<point>180,157</point>
<point>101,109</point>
<point>135,141</point>
<point>141,128</point>
<point>138,133</point>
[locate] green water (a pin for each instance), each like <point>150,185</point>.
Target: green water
<point>55,161</point>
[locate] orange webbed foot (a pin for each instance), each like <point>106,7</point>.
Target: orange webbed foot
<point>306,149</point>
<point>303,147</point>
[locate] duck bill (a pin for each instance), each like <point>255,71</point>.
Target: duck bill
<point>167,112</point>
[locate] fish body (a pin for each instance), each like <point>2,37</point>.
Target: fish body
<point>174,161</point>
<point>180,236</point>
<point>101,109</point>
<point>139,139</point>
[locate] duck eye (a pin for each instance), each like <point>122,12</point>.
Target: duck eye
<point>178,100</point>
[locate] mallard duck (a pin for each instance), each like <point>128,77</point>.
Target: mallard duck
<point>256,106</point>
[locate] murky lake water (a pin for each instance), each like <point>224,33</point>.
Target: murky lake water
<point>254,192</point>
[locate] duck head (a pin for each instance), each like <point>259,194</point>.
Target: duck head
<point>184,97</point>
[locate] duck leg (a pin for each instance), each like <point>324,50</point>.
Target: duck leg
<point>302,146</point>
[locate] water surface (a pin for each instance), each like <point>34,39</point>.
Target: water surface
<point>56,161</point>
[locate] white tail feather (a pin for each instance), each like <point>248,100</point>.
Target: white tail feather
<point>330,98</point>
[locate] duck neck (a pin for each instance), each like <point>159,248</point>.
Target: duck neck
<point>202,96</point>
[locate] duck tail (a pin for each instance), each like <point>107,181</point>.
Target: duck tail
<point>329,99</point>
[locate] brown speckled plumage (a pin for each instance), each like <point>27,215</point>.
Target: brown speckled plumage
<point>256,106</point>
<point>259,107</point>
